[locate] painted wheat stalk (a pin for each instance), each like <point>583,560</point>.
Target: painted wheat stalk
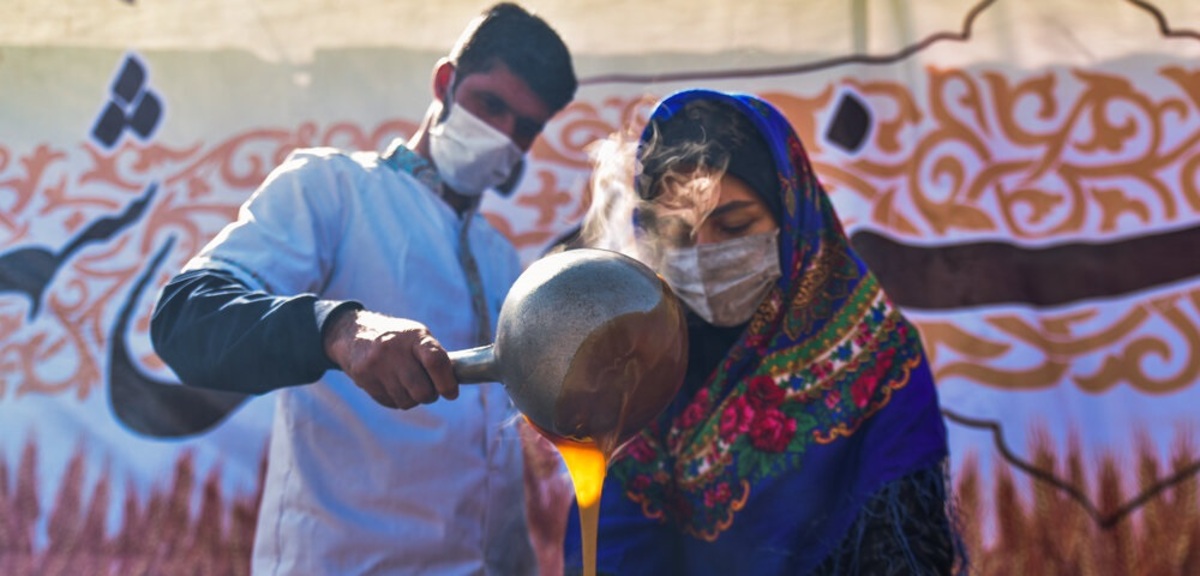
<point>1044,530</point>
<point>1038,527</point>
<point>159,533</point>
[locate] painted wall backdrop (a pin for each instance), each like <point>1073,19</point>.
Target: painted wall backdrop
<point>1023,176</point>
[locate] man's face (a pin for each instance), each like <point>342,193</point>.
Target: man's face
<point>505,102</point>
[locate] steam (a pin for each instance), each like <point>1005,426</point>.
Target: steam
<point>608,223</point>
<point>681,183</point>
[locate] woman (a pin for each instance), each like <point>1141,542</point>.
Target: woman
<point>807,437</point>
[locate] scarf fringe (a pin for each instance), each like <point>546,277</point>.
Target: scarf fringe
<point>911,526</point>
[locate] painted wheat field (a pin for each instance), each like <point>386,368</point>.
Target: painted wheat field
<point>161,533</point>
<point>1097,525</point>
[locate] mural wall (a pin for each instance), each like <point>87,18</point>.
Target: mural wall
<point>1024,178</point>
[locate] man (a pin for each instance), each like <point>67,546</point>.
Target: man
<point>340,270</point>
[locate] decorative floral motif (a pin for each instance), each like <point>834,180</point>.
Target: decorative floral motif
<point>736,419</point>
<point>772,431</point>
<point>716,454</point>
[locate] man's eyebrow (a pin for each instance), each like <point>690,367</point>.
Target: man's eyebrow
<point>524,122</point>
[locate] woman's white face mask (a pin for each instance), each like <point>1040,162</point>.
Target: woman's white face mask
<point>724,282</point>
<point>469,154</point>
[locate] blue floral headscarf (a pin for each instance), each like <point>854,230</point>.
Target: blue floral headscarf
<point>825,398</point>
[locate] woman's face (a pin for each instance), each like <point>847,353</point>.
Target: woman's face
<point>724,210</point>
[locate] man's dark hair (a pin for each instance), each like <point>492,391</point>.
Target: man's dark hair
<point>526,44</point>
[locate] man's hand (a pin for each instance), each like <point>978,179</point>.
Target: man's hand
<point>397,361</point>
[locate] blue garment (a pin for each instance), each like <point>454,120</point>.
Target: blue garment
<point>824,402</point>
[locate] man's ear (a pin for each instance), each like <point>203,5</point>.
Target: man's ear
<point>443,78</point>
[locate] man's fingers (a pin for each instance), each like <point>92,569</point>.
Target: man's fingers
<point>402,398</point>
<point>415,377</point>
<point>398,363</point>
<point>420,388</point>
<point>388,390</point>
<point>433,357</point>
<point>378,392</point>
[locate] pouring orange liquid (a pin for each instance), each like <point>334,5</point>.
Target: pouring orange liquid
<point>622,375</point>
<point>587,465</point>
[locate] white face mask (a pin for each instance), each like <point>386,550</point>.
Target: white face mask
<point>470,155</point>
<point>724,282</point>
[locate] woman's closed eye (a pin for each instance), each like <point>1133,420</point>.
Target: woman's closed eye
<point>735,219</point>
<point>734,228</point>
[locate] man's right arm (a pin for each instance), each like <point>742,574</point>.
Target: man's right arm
<point>215,332</point>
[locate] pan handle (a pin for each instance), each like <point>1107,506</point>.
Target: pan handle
<point>475,365</point>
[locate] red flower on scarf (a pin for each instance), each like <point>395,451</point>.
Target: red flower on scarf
<point>719,494</point>
<point>696,411</point>
<point>757,342</point>
<point>864,387</point>
<point>640,482</point>
<point>736,418</point>
<point>772,431</point>
<point>886,358</point>
<point>640,450</point>
<point>822,369</point>
<point>832,399</point>
<point>764,393</point>
<point>864,335</point>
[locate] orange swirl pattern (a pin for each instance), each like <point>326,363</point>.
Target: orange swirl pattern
<point>1062,154</point>
<point>1059,155</point>
<point>1123,342</point>
<point>50,194</point>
